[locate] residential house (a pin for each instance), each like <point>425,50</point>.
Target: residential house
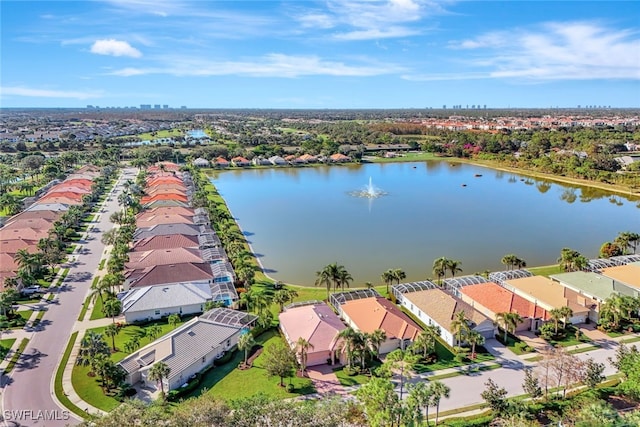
<point>240,161</point>
<point>434,306</point>
<point>162,257</point>
<point>490,299</point>
<point>154,302</point>
<point>221,162</point>
<point>628,274</point>
<point>277,161</point>
<point>339,158</point>
<point>201,162</point>
<point>260,161</point>
<point>188,349</point>
<point>551,295</point>
<point>187,272</point>
<point>316,323</point>
<point>167,241</point>
<point>369,313</point>
<point>166,229</point>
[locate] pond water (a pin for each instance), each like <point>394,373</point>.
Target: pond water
<point>300,219</point>
<point>197,133</point>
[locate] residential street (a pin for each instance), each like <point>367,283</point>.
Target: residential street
<point>27,393</point>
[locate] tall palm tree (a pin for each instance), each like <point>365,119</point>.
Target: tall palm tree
<point>421,395</point>
<point>375,340</point>
<point>347,336</point>
<point>100,288</point>
<point>246,343</point>
<point>556,315</point>
<point>173,319</point>
<point>112,331</point>
<point>510,322</point>
<point>460,325</point>
<point>566,313</point>
<point>112,308</point>
<point>509,261</point>
<point>424,342</point>
<point>454,266</point>
<point>474,338</point>
<point>344,278</point>
<point>323,277</point>
<point>280,298</point>
<point>438,391</point>
<point>399,275</point>
<point>387,278</point>
<point>159,372</point>
<point>440,266</point>
<point>302,349</point>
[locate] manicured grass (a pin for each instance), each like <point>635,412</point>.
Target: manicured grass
<point>228,382</point>
<point>89,389</point>
<point>85,306</point>
<point>408,157</point>
<point>63,276</point>
<point>101,265</point>
<point>25,314</point>
<point>97,313</point>
<point>630,340</point>
<point>584,349</point>
<point>16,355</point>
<point>166,133</point>
<point>569,338</point>
<point>62,397</point>
<point>129,331</point>
<point>349,381</point>
<point>39,317</point>
<point>546,270</point>
<point>5,346</point>
<point>534,359</point>
<point>514,343</point>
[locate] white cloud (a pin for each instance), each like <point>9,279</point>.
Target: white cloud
<point>558,51</point>
<point>46,93</point>
<point>115,48</point>
<point>370,19</point>
<point>271,65</point>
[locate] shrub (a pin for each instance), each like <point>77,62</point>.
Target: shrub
<point>290,388</point>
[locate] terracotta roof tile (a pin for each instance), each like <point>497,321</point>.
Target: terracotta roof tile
<point>369,314</point>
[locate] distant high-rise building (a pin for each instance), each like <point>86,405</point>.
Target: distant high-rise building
<point>145,106</point>
<point>184,107</point>
<point>156,106</point>
<point>165,106</point>
<point>90,107</point>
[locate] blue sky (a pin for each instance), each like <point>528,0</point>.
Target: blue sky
<point>320,54</point>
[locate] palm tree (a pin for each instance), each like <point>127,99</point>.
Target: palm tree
<point>112,308</point>
<point>246,343</point>
<point>153,332</point>
<point>375,340</point>
<point>438,391</point>
<point>343,277</point>
<point>246,298</point>
<point>460,325</point>
<point>112,331</point>
<point>403,361</point>
<point>173,320</point>
<point>399,275</point>
<point>454,267</point>
<point>302,348</point>
<point>280,298</point>
<point>347,335</point>
<point>440,268</point>
<point>421,395</point>
<point>510,322</point>
<point>556,315</point>
<point>387,278</point>
<point>323,277</point>
<point>509,261</point>
<point>159,372</point>
<point>91,346</point>
<point>100,288</point>
<point>566,313</point>
<point>474,338</point>
<point>426,342</point>
<point>291,293</point>
<point>261,303</point>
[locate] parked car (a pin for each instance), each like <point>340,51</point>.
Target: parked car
<point>31,290</point>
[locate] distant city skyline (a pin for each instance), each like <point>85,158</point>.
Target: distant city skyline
<point>320,54</point>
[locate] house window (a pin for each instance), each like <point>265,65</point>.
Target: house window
<point>157,312</point>
<point>228,343</point>
<point>204,359</point>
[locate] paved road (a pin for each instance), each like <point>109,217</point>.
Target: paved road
<point>466,389</point>
<point>27,393</point>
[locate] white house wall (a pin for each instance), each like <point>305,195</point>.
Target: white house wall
<point>132,316</point>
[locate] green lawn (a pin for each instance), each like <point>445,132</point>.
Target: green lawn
<point>570,338</point>
<point>25,314</point>
<point>5,346</point>
<point>546,270</point>
<point>16,355</point>
<point>228,382</point>
<point>97,313</point>
<point>348,381</point>
<point>159,134</point>
<point>630,340</point>
<point>62,397</point>
<point>408,157</point>
<point>514,343</point>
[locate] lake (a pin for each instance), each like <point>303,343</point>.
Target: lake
<point>300,219</point>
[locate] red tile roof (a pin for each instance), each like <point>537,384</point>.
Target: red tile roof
<point>500,300</point>
<point>166,242</point>
<point>369,314</point>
